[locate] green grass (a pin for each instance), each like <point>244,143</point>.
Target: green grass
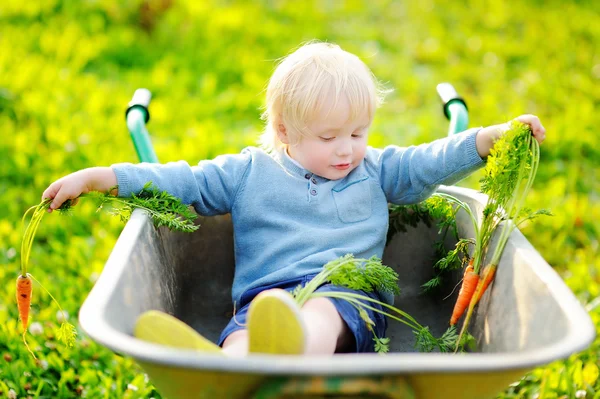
<point>68,69</point>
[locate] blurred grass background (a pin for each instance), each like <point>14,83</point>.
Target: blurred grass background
<point>68,69</point>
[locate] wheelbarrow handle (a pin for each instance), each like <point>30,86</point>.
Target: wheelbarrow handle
<point>137,116</point>
<point>380,387</point>
<point>455,108</point>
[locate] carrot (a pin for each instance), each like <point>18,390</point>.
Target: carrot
<point>467,289</point>
<point>488,275</point>
<point>24,298</point>
<point>24,303</point>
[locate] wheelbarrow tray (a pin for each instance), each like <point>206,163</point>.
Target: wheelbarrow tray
<point>528,317</point>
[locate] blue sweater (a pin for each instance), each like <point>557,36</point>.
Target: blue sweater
<point>289,222</point>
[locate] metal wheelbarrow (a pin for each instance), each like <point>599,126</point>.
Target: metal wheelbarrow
<point>528,318</point>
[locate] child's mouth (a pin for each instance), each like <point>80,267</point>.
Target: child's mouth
<point>342,166</point>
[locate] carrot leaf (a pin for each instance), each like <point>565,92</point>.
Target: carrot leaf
<point>365,275</point>
<point>163,208</point>
<point>432,284</point>
<point>382,345</point>
<point>455,257</point>
<point>67,334</point>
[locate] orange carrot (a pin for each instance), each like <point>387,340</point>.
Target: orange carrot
<point>488,274</point>
<point>481,285</point>
<point>467,289</point>
<point>24,298</point>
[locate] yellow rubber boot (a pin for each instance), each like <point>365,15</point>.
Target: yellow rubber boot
<point>162,328</point>
<point>275,324</point>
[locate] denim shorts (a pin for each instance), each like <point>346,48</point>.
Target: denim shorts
<point>363,337</point>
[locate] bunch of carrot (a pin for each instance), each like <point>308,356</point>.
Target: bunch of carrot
<point>509,174</point>
<point>67,331</point>
<point>163,208</point>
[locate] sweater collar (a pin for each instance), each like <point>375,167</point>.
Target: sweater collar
<point>294,167</point>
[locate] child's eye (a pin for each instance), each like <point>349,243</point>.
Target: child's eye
<point>358,133</point>
<point>326,138</point>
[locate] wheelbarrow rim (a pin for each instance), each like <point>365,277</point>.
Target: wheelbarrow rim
<point>94,322</point>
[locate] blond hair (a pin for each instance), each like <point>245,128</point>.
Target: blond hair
<point>305,79</point>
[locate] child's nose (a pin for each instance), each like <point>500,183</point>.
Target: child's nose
<point>345,148</point>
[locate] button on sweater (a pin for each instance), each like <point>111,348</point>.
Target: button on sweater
<point>289,222</point>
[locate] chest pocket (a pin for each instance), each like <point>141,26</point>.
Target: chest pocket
<point>353,200</point>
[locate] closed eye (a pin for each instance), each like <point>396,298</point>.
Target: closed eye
<point>359,132</point>
<point>326,138</point>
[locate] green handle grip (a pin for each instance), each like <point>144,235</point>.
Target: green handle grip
<point>137,115</point>
<point>455,108</point>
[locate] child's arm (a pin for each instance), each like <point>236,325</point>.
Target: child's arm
<point>210,186</point>
<point>410,175</point>
<point>80,182</point>
<point>488,135</point>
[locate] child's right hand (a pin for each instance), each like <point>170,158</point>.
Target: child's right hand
<point>77,183</point>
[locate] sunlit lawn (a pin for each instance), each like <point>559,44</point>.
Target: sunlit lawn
<point>68,69</point>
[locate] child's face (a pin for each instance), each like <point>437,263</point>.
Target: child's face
<point>337,144</point>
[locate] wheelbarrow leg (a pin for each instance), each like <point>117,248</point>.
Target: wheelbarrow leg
<point>375,387</point>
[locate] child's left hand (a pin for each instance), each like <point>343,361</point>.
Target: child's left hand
<point>488,135</point>
<point>534,123</point>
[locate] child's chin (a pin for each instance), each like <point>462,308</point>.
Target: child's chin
<point>338,174</point>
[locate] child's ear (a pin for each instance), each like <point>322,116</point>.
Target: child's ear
<point>282,133</point>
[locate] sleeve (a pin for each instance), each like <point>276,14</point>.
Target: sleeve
<point>411,174</point>
<point>210,187</point>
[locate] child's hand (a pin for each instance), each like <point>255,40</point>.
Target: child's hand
<point>77,183</point>
<point>488,135</point>
<point>535,125</point>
